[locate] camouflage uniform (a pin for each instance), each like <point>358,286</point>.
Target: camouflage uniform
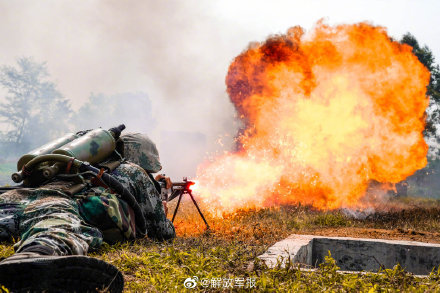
<point>71,225</point>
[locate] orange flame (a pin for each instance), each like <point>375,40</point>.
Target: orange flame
<point>324,113</point>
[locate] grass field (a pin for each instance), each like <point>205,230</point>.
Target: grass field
<point>230,250</point>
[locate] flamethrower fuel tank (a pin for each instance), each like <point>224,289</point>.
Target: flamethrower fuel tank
<point>92,147</point>
<point>46,149</point>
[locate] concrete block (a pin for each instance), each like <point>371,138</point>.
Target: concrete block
<point>355,254</point>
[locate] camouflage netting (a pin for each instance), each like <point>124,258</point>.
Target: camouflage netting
<point>139,149</point>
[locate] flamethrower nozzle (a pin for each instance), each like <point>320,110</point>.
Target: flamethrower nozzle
<point>116,131</point>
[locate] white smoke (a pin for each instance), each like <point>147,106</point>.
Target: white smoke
<point>177,52</point>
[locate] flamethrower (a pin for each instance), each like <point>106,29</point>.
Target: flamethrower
<point>179,189</point>
<point>77,157</point>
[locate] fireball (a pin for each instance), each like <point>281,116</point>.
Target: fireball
<point>324,112</point>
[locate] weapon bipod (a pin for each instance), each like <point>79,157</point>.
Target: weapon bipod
<point>180,190</point>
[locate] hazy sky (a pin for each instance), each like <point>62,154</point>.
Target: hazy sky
<point>177,51</point>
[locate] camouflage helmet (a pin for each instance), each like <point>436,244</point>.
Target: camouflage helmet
<point>139,149</point>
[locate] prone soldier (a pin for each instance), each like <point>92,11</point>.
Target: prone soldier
<point>57,226</point>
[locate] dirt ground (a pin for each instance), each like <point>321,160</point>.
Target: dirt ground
<point>396,234</point>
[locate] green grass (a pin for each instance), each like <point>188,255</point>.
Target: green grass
<point>331,220</point>
<point>230,251</point>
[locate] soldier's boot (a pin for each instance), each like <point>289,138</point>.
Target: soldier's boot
<point>32,271</point>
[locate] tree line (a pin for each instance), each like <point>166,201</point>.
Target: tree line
<point>425,181</point>
<point>426,57</point>
<point>34,111</point>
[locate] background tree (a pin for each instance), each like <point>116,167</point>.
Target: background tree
<point>425,182</point>
<point>426,57</point>
<point>33,111</point>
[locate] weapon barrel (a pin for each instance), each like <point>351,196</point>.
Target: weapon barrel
<point>183,184</point>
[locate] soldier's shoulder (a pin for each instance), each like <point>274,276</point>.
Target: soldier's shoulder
<point>127,165</point>
<point>131,170</point>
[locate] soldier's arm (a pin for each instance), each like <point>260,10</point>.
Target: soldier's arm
<point>148,197</point>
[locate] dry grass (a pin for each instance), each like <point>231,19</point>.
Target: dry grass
<point>230,250</point>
